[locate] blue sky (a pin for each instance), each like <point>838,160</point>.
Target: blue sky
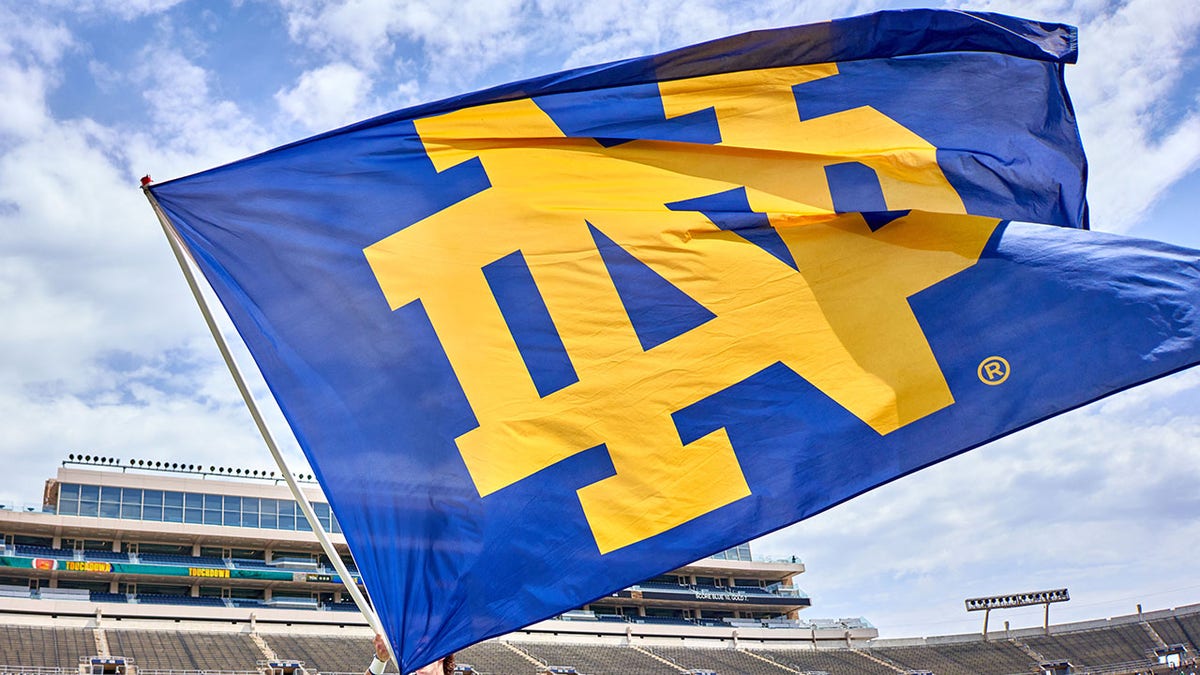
<point>104,352</point>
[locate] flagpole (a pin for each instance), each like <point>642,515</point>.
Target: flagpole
<point>182,256</point>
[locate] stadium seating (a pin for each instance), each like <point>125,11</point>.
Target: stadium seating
<point>181,650</point>
<point>968,658</point>
<point>721,660</point>
<point>595,659</point>
<point>27,551</point>
<point>44,647</point>
<point>494,658</point>
<point>156,599</point>
<point>186,560</point>
<point>106,556</point>
<point>46,650</point>
<point>1114,644</point>
<point>832,661</point>
<point>250,563</point>
<point>324,654</point>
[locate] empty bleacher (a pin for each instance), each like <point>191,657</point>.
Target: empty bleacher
<point>44,647</point>
<point>594,659</point>
<point>1114,644</point>
<point>968,658</point>
<point>832,661</point>
<point>156,599</point>
<point>35,649</point>
<point>721,660</point>
<point>324,654</point>
<point>184,560</point>
<point>1174,633</point>
<point>493,658</point>
<point>184,650</point>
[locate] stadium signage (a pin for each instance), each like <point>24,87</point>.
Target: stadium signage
<point>723,596</point>
<point>84,566</point>
<point>320,578</point>
<point>210,572</point>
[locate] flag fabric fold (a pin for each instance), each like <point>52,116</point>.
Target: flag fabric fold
<point>544,341</point>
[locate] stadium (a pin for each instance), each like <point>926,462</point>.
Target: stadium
<point>153,568</point>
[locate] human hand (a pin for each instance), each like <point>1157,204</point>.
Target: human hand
<point>381,650</point>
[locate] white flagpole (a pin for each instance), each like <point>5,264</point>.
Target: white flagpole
<point>182,256</point>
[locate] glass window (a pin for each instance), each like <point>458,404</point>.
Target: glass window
<point>131,503</point>
<point>110,509</point>
<point>212,516</point>
<point>212,502</point>
<point>152,509</point>
<point>172,514</point>
<point>89,492</point>
<point>89,508</point>
<point>287,520</point>
<point>68,506</point>
<point>249,511</point>
<point>322,511</point>
<point>193,515</point>
<point>68,490</point>
<point>335,527</point>
<point>110,495</point>
<point>193,508</point>
<point>172,499</point>
<point>268,519</point>
<point>302,524</point>
<point>152,513</point>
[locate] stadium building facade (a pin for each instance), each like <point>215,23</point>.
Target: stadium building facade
<point>175,570</point>
<point>145,540</point>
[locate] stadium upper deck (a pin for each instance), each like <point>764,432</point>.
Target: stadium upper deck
<point>139,541</point>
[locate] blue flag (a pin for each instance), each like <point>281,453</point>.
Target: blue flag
<point>544,341</point>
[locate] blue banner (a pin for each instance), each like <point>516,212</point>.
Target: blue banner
<point>548,340</point>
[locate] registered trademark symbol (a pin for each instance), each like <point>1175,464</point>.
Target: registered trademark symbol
<point>993,370</point>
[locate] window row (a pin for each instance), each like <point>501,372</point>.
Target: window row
<point>166,506</point>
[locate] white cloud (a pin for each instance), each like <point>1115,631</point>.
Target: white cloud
<point>1070,502</point>
<point>328,97</point>
<point>1131,58</point>
<point>123,9</point>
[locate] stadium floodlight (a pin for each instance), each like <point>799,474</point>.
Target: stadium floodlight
<point>987,604</point>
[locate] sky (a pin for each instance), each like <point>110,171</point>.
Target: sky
<point>104,352</point>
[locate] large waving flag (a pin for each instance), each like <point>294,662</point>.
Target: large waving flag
<point>547,340</point>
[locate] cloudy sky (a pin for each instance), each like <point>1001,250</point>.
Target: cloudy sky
<point>103,351</point>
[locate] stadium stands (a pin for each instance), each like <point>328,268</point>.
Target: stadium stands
<point>595,659</point>
<point>1115,644</point>
<point>324,654</point>
<point>961,659</point>
<point>44,647</point>
<point>726,660</point>
<point>833,661</point>
<point>41,651</point>
<point>494,658</point>
<point>184,650</point>
<point>184,560</point>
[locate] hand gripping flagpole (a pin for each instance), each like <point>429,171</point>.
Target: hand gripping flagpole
<point>184,258</point>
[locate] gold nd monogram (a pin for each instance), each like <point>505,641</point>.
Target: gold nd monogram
<point>842,322</point>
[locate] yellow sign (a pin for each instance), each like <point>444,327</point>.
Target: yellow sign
<point>81,566</point>
<point>216,573</point>
<point>842,321</point>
